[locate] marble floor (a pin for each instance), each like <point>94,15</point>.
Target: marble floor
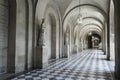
<point>87,65</point>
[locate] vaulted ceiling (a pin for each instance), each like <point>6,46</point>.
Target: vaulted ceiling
<point>94,13</point>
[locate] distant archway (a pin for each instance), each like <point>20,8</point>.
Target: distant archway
<point>93,40</point>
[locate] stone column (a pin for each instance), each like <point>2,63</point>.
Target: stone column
<point>108,34</point>
<point>71,40</point>
<point>117,39</point>
<point>103,41</point>
<point>11,37</point>
<point>108,40</point>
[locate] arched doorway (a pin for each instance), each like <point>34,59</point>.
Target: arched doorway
<point>93,41</point>
<point>96,40</point>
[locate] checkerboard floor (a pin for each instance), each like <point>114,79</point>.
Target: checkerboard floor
<point>87,65</point>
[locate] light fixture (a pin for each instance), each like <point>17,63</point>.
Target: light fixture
<point>90,33</point>
<point>80,19</point>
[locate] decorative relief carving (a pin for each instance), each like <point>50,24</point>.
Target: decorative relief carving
<point>41,34</point>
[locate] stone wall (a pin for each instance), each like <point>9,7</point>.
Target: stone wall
<point>3,35</point>
<point>20,36</point>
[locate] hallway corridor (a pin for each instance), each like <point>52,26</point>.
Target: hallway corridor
<point>87,65</point>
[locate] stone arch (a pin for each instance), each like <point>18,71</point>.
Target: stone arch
<point>85,33</point>
<point>99,10</point>
<point>52,22</point>
<point>83,37</point>
<point>49,11</point>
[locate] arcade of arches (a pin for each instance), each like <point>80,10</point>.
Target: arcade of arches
<point>37,33</point>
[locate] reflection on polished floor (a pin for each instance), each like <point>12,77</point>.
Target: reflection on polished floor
<point>87,65</point>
